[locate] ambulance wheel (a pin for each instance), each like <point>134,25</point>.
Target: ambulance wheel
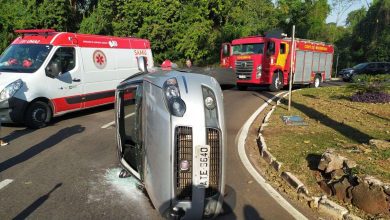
<point>277,82</point>
<point>242,88</point>
<point>317,82</point>
<point>38,114</point>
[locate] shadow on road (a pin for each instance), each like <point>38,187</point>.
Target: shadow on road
<point>38,148</point>
<point>346,130</point>
<point>251,213</point>
<point>17,134</point>
<point>31,208</point>
<point>82,113</point>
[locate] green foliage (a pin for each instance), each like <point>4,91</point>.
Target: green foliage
<point>364,83</point>
<point>368,35</point>
<point>307,16</point>
<point>195,29</point>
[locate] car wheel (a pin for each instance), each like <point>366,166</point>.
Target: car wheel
<point>277,80</point>
<point>37,115</point>
<point>317,82</point>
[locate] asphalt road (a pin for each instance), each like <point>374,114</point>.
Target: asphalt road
<point>69,170</point>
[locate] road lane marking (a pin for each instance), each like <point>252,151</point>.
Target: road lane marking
<point>242,134</point>
<point>5,182</point>
<point>113,122</point>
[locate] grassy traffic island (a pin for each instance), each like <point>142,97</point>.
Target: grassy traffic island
<point>341,149</point>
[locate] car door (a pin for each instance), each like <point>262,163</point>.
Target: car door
<point>66,89</point>
<point>129,125</point>
<point>370,69</point>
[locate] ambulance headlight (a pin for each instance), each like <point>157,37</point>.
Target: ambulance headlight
<point>176,105</point>
<point>10,90</point>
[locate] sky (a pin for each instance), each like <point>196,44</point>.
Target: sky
<point>358,4</point>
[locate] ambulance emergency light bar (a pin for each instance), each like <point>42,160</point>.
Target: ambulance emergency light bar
<point>35,31</point>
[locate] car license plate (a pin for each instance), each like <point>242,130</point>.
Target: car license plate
<point>241,76</point>
<point>202,165</point>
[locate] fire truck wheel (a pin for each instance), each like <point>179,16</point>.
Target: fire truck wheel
<point>277,80</point>
<point>242,88</point>
<point>317,82</point>
<point>38,114</point>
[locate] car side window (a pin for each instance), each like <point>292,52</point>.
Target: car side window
<point>66,56</point>
<point>130,124</point>
<point>371,66</point>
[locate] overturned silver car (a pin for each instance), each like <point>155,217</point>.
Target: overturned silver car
<point>171,136</point>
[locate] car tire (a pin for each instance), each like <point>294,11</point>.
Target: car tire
<point>38,114</point>
<point>277,82</point>
<point>317,82</point>
<point>242,88</point>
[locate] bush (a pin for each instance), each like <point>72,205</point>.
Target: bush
<point>371,88</point>
<point>378,97</point>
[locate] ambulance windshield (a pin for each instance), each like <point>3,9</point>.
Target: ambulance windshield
<point>24,58</point>
<point>242,49</point>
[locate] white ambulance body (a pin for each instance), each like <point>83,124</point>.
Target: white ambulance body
<point>44,73</point>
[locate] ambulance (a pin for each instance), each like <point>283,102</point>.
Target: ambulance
<point>44,73</point>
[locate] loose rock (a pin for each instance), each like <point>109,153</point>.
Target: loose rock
<point>380,144</point>
<point>340,190</point>
<point>370,199</point>
<point>330,161</point>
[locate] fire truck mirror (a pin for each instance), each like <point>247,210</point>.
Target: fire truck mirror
<point>270,48</point>
<point>142,65</point>
<point>53,70</point>
<point>225,50</point>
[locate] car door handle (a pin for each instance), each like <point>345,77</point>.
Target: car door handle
<point>76,80</point>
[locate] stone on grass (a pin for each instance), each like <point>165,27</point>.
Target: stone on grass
<point>349,164</point>
<point>386,189</point>
<point>337,174</point>
<point>380,144</point>
<point>370,198</point>
<point>372,181</point>
<point>331,161</point>
<point>325,187</point>
<point>341,190</point>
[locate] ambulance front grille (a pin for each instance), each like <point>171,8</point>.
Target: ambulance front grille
<point>214,141</point>
<point>183,146</point>
<point>244,68</point>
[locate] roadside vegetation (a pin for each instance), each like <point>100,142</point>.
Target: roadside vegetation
<point>334,121</point>
<point>195,29</point>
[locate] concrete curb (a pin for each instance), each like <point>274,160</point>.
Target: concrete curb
<point>323,204</point>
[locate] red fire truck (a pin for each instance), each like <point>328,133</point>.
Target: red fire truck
<point>265,61</point>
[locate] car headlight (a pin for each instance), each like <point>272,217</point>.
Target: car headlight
<point>10,90</point>
<point>258,71</point>
<point>176,105</point>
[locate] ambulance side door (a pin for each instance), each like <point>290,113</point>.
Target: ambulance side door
<point>66,88</point>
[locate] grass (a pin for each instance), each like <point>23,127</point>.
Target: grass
<point>333,122</point>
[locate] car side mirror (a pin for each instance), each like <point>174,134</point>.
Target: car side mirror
<point>54,69</point>
<point>142,64</point>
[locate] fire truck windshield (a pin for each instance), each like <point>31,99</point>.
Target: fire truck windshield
<point>241,49</point>
<point>24,58</point>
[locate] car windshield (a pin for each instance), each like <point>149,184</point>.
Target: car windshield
<point>241,49</point>
<point>360,66</point>
<point>24,58</point>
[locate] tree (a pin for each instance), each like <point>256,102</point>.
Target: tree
<point>339,7</point>
<point>308,16</point>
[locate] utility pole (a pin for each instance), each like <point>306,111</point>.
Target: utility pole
<point>291,67</point>
<point>337,63</point>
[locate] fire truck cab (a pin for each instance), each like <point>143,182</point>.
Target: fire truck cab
<point>265,61</point>
<point>45,73</point>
